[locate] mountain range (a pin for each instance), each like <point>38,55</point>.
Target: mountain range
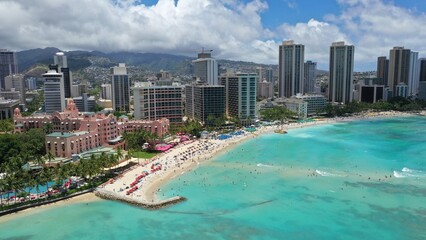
<point>28,59</point>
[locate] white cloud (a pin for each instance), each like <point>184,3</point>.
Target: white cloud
<point>376,26</point>
<point>316,36</point>
<point>228,26</point>
<point>373,26</point>
<point>232,28</point>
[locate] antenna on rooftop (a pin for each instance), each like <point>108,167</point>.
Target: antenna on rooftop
<point>206,50</point>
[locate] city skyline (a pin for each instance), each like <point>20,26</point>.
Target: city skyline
<point>248,30</point>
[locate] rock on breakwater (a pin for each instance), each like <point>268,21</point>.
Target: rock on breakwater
<point>105,194</point>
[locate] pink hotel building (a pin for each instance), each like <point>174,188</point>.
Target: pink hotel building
<point>75,133</point>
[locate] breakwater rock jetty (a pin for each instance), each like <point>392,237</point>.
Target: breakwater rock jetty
<point>105,194</point>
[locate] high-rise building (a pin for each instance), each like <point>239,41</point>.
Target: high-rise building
<point>240,94</point>
<point>260,74</point>
<point>269,75</point>
<point>422,90</point>
<point>16,82</point>
<point>413,74</point>
<point>61,66</point>
<point>54,97</point>
<point>340,83</point>
<point>382,70</point>
<point>206,68</point>
<point>422,69</point>
<point>120,88</point>
<point>310,73</point>
<point>204,101</point>
<point>8,65</point>
<point>399,67</point>
<point>77,90</point>
<point>401,90</point>
<point>85,103</point>
<point>291,69</point>
<point>106,92</point>
<point>155,102</point>
<point>265,89</point>
<point>31,83</point>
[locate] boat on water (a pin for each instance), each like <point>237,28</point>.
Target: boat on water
<point>281,131</point>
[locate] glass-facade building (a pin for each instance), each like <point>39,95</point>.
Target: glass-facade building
<point>340,85</point>
<point>204,101</point>
<point>291,69</point>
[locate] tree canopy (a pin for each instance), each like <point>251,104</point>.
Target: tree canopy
<point>277,113</point>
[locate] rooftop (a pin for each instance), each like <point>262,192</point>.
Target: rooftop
<point>59,134</point>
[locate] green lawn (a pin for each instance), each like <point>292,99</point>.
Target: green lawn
<point>143,154</point>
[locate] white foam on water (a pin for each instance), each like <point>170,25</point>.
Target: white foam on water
<point>302,135</point>
<point>406,172</point>
<point>263,165</point>
<point>327,174</point>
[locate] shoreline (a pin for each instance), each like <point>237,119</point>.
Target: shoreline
<point>151,185</point>
<point>149,189</point>
<point>83,198</point>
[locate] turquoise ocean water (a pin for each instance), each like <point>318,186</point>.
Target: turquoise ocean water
<point>355,180</point>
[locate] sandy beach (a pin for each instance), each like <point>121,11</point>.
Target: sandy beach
<point>186,157</point>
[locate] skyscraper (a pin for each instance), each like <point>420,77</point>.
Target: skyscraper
<point>310,73</point>
<point>153,102</point>
<point>291,69</point>
<point>206,68</point>
<point>422,69</point>
<point>240,91</point>
<point>16,81</point>
<point>8,65</point>
<point>269,75</point>
<point>404,67</point>
<point>106,92</point>
<point>413,74</point>
<point>382,70</point>
<point>340,83</point>
<point>120,88</point>
<point>61,66</point>
<point>204,101</point>
<point>54,98</point>
<point>399,67</point>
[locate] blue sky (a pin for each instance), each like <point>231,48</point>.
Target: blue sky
<point>248,30</point>
<point>294,11</point>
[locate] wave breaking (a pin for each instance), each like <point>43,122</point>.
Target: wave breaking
<point>409,173</point>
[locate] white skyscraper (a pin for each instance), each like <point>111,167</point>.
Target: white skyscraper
<point>340,83</point>
<point>206,69</point>
<point>61,66</point>
<point>414,74</point>
<point>54,96</point>
<point>291,69</point>
<point>106,92</point>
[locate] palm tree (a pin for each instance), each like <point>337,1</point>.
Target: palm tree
<point>46,176</point>
<point>2,189</point>
<point>119,154</point>
<point>49,157</point>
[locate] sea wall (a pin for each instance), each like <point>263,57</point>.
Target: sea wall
<point>105,194</point>
<point>47,201</point>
